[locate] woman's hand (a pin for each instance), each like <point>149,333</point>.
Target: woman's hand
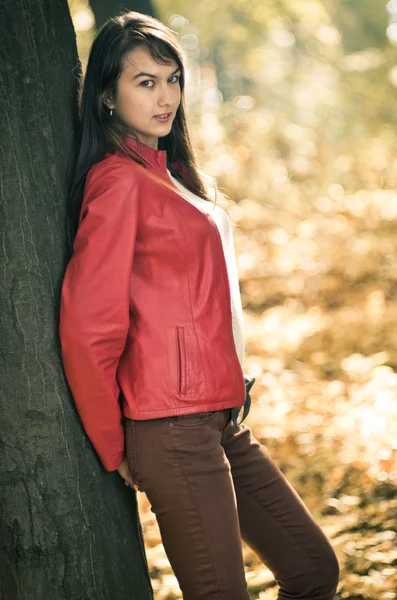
<point>124,471</point>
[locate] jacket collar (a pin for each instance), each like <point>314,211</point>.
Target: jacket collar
<point>156,158</point>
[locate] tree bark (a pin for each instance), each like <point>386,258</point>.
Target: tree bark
<point>69,529</point>
<point>103,9</point>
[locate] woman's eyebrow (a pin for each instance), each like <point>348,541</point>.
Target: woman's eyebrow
<point>142,74</point>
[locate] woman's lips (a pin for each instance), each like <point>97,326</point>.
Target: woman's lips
<point>163,119</point>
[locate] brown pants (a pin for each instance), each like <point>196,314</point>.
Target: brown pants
<point>210,484</point>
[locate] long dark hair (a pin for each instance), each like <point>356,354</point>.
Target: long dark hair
<point>98,133</point>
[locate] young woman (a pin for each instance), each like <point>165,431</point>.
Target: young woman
<point>151,332</point>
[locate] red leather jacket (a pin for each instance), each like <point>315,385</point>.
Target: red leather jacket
<point>145,314</point>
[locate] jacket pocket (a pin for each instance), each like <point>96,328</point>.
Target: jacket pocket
<point>181,359</point>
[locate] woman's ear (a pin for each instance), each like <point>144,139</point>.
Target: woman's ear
<point>107,99</point>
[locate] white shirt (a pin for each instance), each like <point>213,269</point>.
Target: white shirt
<point>224,225</point>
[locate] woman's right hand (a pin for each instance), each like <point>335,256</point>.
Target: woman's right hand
<point>124,471</point>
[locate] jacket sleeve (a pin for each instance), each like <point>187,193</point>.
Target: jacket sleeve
<point>94,309</point>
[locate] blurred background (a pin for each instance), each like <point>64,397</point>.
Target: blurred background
<point>292,107</point>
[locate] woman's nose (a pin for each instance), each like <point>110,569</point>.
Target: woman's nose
<point>165,95</point>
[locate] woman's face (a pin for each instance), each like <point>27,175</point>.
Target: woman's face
<point>145,90</point>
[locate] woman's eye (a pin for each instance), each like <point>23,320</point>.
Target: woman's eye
<point>143,83</point>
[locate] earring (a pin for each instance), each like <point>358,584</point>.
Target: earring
<point>111,111</point>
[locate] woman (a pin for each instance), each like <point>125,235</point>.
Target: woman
<point>151,335</point>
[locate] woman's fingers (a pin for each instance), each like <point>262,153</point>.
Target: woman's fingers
<point>131,483</point>
<point>124,471</point>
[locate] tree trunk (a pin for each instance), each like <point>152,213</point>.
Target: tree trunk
<point>103,9</point>
<point>69,529</point>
